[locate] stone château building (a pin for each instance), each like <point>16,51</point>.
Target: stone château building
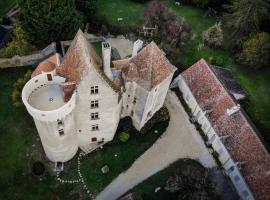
<point>77,101</point>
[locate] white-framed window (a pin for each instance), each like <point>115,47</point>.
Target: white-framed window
<point>94,90</point>
<point>205,126</point>
<point>245,193</point>
<point>187,97</point>
<point>94,104</point>
<point>236,178</point>
<point>94,116</point>
<point>95,127</point>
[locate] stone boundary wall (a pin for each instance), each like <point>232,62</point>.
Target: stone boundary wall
<point>19,61</point>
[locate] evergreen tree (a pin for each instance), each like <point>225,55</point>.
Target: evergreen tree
<point>50,20</point>
<point>246,17</point>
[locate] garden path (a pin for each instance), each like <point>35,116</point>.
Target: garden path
<point>180,140</point>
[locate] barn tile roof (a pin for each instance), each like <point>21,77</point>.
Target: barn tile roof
<point>243,143</point>
<point>148,68</point>
<point>81,56</point>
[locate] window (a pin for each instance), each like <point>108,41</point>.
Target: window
<point>49,77</point>
<point>94,116</point>
<point>93,139</point>
<point>59,122</point>
<point>236,178</point>
<point>61,132</point>
<point>134,100</point>
<point>94,104</point>
<point>95,127</point>
<point>132,113</point>
<point>245,193</point>
<point>205,126</point>
<point>94,90</point>
<point>187,97</point>
<point>231,169</point>
<point>220,151</point>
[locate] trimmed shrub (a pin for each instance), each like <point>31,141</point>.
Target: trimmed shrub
<point>17,89</point>
<point>213,36</point>
<point>256,51</point>
<point>124,137</point>
<point>160,116</point>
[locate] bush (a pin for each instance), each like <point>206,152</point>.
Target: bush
<point>256,51</point>
<point>216,60</point>
<point>19,45</point>
<point>213,36</point>
<point>160,116</point>
<point>124,137</point>
<point>17,89</point>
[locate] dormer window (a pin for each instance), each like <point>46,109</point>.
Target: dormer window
<point>94,90</point>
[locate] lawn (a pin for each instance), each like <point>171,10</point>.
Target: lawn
<point>5,5</point>
<point>257,85</point>
<point>126,9</point>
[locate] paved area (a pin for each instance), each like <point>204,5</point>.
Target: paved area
<point>123,45</point>
<point>180,140</point>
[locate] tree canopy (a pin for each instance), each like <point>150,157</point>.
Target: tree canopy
<point>50,20</point>
<point>246,16</point>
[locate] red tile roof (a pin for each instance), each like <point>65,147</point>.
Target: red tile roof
<point>81,56</point>
<point>47,65</point>
<point>243,144</point>
<point>148,68</point>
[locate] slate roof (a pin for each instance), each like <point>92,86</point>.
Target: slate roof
<point>148,68</point>
<point>228,80</point>
<point>81,56</point>
<point>243,143</point>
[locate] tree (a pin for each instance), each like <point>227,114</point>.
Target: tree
<point>19,45</point>
<point>256,51</point>
<point>50,20</point>
<point>18,87</point>
<point>88,8</point>
<point>173,30</point>
<point>213,36</point>
<point>246,17</point>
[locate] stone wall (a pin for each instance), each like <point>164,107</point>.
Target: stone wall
<point>19,61</point>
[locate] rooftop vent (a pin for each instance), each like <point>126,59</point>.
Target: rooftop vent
<point>234,109</point>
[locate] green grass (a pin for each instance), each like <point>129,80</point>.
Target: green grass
<point>5,5</point>
<point>127,9</point>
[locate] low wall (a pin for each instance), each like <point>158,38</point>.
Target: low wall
<point>19,61</point>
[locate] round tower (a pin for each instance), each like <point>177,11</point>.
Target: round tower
<point>43,97</point>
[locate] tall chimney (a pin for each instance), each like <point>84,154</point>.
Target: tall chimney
<point>137,47</point>
<point>106,56</point>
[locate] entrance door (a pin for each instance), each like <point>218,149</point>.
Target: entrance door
<point>49,77</point>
